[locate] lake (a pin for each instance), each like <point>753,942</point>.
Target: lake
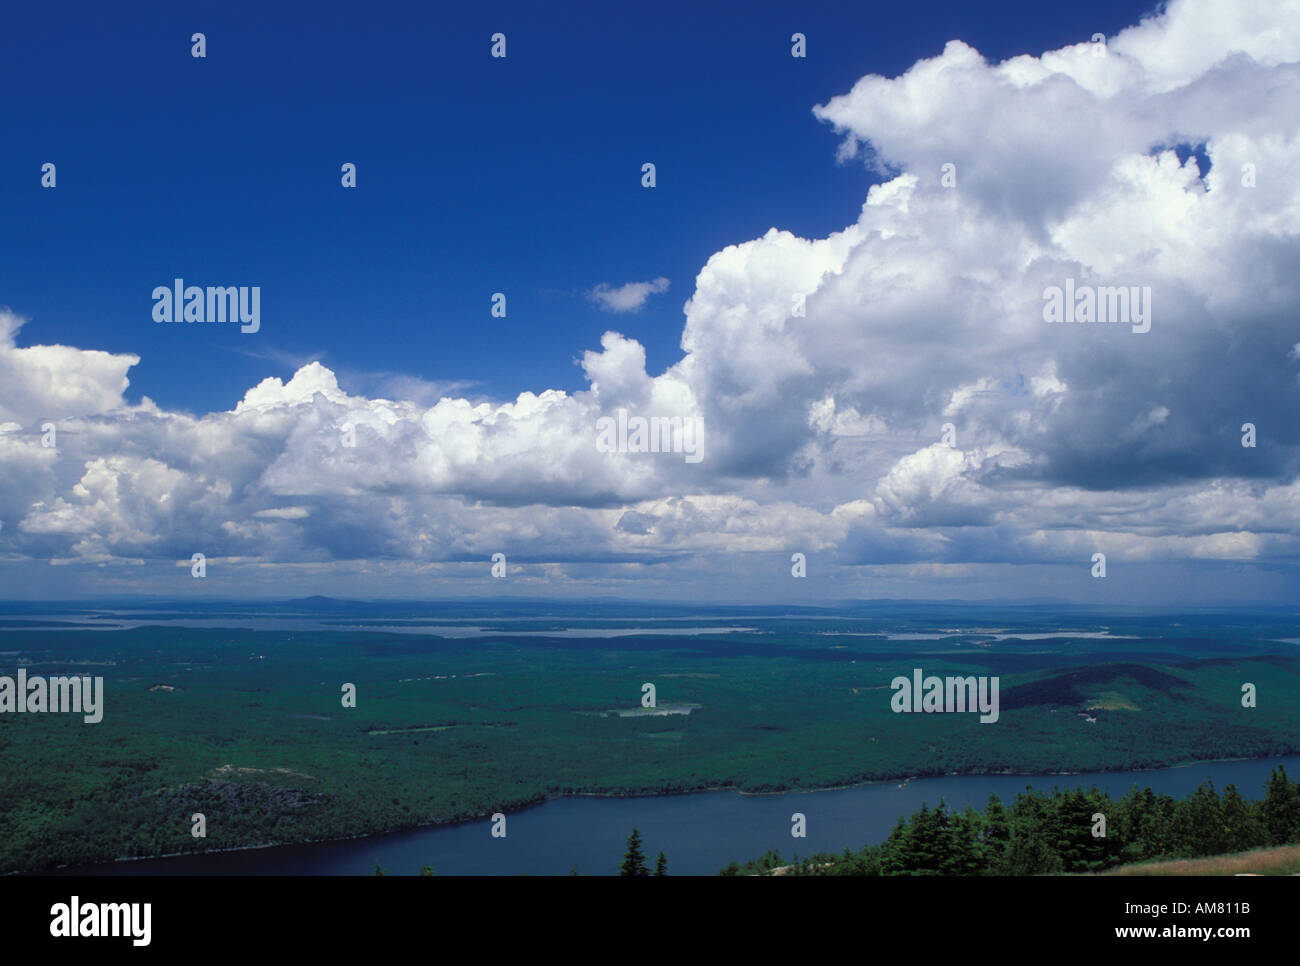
<point>699,833</point>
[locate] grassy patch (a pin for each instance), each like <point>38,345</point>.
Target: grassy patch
<point>1282,860</point>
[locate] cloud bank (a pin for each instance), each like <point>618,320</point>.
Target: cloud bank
<point>885,397</point>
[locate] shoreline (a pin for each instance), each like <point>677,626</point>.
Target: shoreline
<point>542,800</point>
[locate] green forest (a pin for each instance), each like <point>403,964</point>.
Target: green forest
<point>1046,833</point>
<point>248,728</point>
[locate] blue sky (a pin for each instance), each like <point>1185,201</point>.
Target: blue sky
<point>859,337</point>
<point>475,175</point>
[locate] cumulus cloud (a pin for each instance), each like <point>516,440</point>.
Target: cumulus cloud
<point>627,298</point>
<point>824,369</point>
<point>56,381</point>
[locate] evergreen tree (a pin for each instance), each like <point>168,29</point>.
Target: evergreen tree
<point>1147,821</point>
<point>771,860</point>
<point>1046,834</point>
<point>661,865</point>
<point>1079,849</point>
<point>634,858</point>
<point>921,844</point>
<point>1201,827</point>
<point>894,858</point>
<point>1107,849</point>
<point>868,861</point>
<point>966,854</point>
<point>1281,810</point>
<point>1033,833</point>
<point>1241,826</point>
<point>925,843</point>
<point>995,836</point>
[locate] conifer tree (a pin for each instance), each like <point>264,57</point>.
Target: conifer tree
<point>893,859</point>
<point>996,835</point>
<point>1241,826</point>
<point>634,858</point>
<point>1281,808</point>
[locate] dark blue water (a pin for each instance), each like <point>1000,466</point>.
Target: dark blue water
<point>698,833</point>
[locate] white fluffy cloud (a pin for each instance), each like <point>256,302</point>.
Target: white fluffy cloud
<point>823,370</point>
<point>627,298</point>
<point>56,381</point>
